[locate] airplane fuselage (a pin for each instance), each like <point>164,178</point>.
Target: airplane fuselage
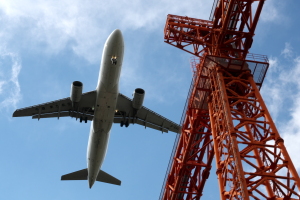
<point>106,100</point>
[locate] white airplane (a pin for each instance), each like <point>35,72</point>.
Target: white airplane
<point>103,106</point>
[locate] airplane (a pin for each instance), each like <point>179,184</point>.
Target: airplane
<point>103,107</point>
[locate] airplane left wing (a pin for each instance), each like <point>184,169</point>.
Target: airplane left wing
<point>61,108</point>
<point>125,115</point>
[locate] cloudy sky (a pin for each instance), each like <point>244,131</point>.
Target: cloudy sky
<point>44,46</point>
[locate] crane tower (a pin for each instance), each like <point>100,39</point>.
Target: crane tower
<point>225,115</point>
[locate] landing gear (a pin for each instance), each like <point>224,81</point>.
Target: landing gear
<point>125,120</point>
<point>85,119</point>
<point>126,124</point>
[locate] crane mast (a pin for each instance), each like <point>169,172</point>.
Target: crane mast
<point>225,115</point>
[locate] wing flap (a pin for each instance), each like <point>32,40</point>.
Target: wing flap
<point>63,114</point>
<point>142,123</point>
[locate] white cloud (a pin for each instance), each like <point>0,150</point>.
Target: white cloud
<point>50,27</point>
<point>291,130</point>
<point>2,84</point>
<point>133,77</point>
<point>282,95</point>
<point>291,133</point>
<point>270,11</point>
<point>271,90</point>
<point>287,52</point>
<point>84,26</point>
<point>274,68</point>
<point>9,85</point>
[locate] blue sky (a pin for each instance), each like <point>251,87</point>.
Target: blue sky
<point>44,46</point>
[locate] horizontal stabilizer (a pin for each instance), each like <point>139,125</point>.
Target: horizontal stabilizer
<point>106,178</point>
<point>78,175</point>
<point>83,175</point>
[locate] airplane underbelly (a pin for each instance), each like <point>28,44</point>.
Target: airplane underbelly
<point>100,130</point>
<point>98,144</point>
<point>105,111</point>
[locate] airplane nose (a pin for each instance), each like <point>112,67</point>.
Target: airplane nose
<point>117,33</point>
<point>115,36</point>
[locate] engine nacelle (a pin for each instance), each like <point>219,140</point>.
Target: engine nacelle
<point>76,91</point>
<point>138,98</point>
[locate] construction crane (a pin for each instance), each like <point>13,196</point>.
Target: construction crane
<point>225,116</point>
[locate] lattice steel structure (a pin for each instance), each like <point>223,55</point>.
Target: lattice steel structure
<point>225,116</point>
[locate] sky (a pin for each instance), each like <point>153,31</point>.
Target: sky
<point>46,45</point>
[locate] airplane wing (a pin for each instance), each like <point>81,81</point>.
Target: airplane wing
<point>61,108</point>
<point>85,111</point>
<point>144,116</point>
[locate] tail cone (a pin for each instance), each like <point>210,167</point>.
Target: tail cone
<point>91,182</point>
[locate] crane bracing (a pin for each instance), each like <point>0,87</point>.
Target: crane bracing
<point>225,115</point>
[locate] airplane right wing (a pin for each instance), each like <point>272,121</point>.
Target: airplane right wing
<point>144,116</point>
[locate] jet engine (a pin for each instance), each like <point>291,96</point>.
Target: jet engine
<point>76,91</point>
<point>138,98</point>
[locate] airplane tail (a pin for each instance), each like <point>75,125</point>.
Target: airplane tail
<point>83,175</point>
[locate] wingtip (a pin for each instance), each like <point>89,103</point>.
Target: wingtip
<point>14,114</point>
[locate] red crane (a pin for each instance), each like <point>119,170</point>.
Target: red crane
<point>225,115</point>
